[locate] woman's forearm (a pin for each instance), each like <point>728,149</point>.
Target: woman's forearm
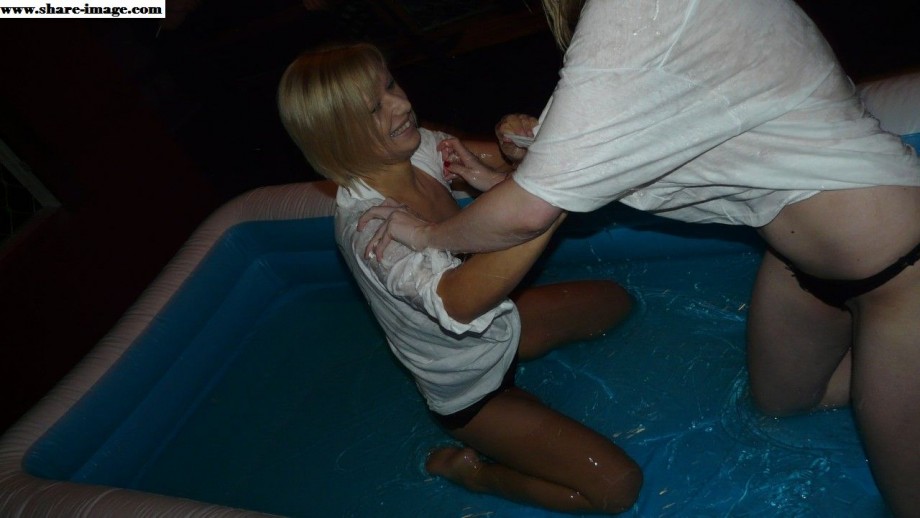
<point>489,154</point>
<point>486,279</point>
<point>504,217</point>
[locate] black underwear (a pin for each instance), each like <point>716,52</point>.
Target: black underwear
<point>461,418</point>
<point>837,292</point>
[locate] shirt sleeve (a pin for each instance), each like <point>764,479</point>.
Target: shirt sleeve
<point>413,278</point>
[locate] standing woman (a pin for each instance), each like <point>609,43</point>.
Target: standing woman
<point>735,112</point>
<point>450,322</point>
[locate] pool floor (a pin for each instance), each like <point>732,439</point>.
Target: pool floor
<point>311,416</point>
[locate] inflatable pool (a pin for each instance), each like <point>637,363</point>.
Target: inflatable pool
<point>250,378</point>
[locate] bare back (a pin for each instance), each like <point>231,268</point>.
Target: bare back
<point>848,234</point>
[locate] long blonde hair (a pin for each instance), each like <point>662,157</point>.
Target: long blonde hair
<point>562,16</point>
<point>323,103</point>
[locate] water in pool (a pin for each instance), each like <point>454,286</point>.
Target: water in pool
<point>307,414</point>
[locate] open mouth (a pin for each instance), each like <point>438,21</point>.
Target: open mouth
<point>402,129</point>
<point>411,122</point>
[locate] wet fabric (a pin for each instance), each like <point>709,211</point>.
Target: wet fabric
<point>705,111</point>
<point>454,364</point>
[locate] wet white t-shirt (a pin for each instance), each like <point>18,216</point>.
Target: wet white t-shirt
<point>454,364</point>
<point>705,111</point>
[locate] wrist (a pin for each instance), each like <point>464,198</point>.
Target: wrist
<point>419,240</point>
<point>500,176</point>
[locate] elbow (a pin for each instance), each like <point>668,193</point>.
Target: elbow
<point>461,313</point>
<point>457,308</point>
<point>461,317</point>
<point>457,311</point>
<point>533,217</point>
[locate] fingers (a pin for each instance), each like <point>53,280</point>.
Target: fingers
<point>381,239</point>
<point>511,126</point>
<point>466,157</point>
<point>460,171</point>
<point>399,224</point>
<point>512,151</point>
<point>378,244</point>
<point>381,211</point>
<point>448,156</point>
<point>446,145</point>
<point>516,124</point>
<point>451,147</point>
<point>459,162</point>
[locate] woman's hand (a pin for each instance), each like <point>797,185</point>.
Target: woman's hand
<point>460,162</point>
<point>514,124</point>
<point>399,224</point>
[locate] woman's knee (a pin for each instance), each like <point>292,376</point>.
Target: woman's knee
<point>617,490</point>
<point>612,301</point>
<point>777,402</point>
<point>616,295</point>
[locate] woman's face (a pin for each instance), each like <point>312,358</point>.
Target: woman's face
<point>395,119</point>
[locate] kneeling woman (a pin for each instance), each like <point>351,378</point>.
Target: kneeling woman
<point>450,321</point>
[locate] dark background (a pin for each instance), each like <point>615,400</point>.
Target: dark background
<point>141,128</point>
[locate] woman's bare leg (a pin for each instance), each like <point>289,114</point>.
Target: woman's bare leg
<point>886,387</point>
<point>555,314</point>
<point>539,457</point>
<point>838,387</point>
<point>800,358</point>
<point>797,345</point>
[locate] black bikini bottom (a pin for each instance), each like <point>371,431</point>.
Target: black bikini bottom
<point>461,418</point>
<point>837,292</point>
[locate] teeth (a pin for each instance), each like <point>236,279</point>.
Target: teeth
<point>401,129</point>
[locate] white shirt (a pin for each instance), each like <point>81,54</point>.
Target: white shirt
<point>705,111</point>
<point>454,364</point>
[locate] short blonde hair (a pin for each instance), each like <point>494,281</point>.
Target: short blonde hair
<point>563,17</point>
<point>323,101</point>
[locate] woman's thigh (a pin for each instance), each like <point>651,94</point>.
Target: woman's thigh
<point>795,341</point>
<point>554,314</point>
<point>886,358</point>
<point>515,429</point>
<point>886,386</point>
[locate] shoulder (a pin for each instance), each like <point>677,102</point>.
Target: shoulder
<point>427,151</point>
<point>427,157</point>
<point>625,33</point>
<point>354,242</point>
<point>351,204</point>
<point>430,138</point>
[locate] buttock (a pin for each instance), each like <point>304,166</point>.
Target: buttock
<point>461,418</point>
<point>836,292</point>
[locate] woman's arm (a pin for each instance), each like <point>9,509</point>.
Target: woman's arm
<point>505,216</point>
<point>471,163</point>
<point>484,280</point>
<point>490,154</point>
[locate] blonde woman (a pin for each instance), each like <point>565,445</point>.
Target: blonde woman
<point>450,322</point>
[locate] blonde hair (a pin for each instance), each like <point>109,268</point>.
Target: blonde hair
<point>562,16</point>
<point>323,101</point>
